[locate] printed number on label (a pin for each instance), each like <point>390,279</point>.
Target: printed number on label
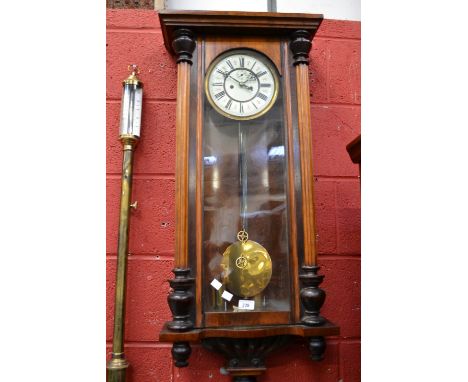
<point>247,304</point>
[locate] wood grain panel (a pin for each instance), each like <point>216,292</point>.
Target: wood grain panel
<point>245,318</point>
<point>305,141</point>
<point>327,329</point>
<point>199,186</point>
<point>182,141</point>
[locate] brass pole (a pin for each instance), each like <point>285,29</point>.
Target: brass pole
<point>117,366</point>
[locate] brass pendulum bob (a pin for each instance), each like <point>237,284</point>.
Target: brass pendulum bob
<point>247,266</point>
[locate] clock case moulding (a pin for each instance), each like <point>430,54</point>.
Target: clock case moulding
<point>195,38</point>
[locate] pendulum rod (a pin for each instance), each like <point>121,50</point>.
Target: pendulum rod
<point>248,262</point>
<point>243,176</point>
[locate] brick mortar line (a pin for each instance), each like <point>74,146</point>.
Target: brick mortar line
<point>170,257</point>
<point>143,176</point>
<point>337,177</point>
<point>338,257</point>
<point>334,38</point>
<point>134,30</point>
<point>349,105</point>
<point>350,340</point>
<point>145,100</point>
<point>143,256</point>
<point>113,100</point>
<point>171,176</point>
<point>144,344</point>
<point>112,175</point>
<point>154,30</point>
<point>153,257</point>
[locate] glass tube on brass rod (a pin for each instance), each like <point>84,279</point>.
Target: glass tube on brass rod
<point>130,124</point>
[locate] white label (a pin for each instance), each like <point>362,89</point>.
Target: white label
<point>247,304</point>
<point>216,284</point>
<point>227,296</point>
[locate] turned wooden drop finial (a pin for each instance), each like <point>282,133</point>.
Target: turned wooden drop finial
<point>180,353</point>
<point>183,45</point>
<point>300,46</point>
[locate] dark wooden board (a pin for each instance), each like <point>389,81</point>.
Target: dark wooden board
<point>196,335</point>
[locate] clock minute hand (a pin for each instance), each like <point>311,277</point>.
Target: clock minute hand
<point>233,78</point>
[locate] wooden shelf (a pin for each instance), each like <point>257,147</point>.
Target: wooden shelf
<point>196,335</point>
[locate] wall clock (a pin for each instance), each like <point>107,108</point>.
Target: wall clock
<point>246,276</point>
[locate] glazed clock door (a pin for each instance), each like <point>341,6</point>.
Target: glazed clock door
<point>246,269</point>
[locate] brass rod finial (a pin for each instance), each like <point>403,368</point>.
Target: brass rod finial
<point>133,78</point>
<point>134,68</point>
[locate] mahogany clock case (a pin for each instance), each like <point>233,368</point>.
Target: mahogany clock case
<point>205,188</point>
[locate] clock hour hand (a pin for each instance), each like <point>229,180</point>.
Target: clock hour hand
<point>241,84</point>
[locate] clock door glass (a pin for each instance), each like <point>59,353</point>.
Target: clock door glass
<point>241,85</point>
<point>245,233</point>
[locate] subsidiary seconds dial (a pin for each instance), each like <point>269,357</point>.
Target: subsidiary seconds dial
<point>241,85</point>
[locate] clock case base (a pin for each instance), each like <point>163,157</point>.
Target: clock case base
<point>246,348</point>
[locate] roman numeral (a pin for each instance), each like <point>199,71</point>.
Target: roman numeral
<point>262,96</point>
<point>241,62</point>
<point>220,95</point>
<point>228,105</point>
<point>265,85</point>
<point>253,103</point>
<point>241,108</point>
<point>259,74</point>
<point>229,64</point>
<point>217,84</point>
<point>221,72</point>
<point>253,65</point>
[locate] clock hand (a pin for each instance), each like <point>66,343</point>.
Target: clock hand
<point>251,78</point>
<point>241,84</point>
<point>233,78</point>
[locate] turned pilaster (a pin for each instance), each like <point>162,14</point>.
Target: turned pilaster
<point>183,45</point>
<point>300,46</point>
<point>312,297</point>
<point>181,297</point>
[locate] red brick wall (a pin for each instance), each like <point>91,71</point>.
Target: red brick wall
<point>134,36</point>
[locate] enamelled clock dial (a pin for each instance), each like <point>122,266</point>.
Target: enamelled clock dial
<point>241,85</point>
